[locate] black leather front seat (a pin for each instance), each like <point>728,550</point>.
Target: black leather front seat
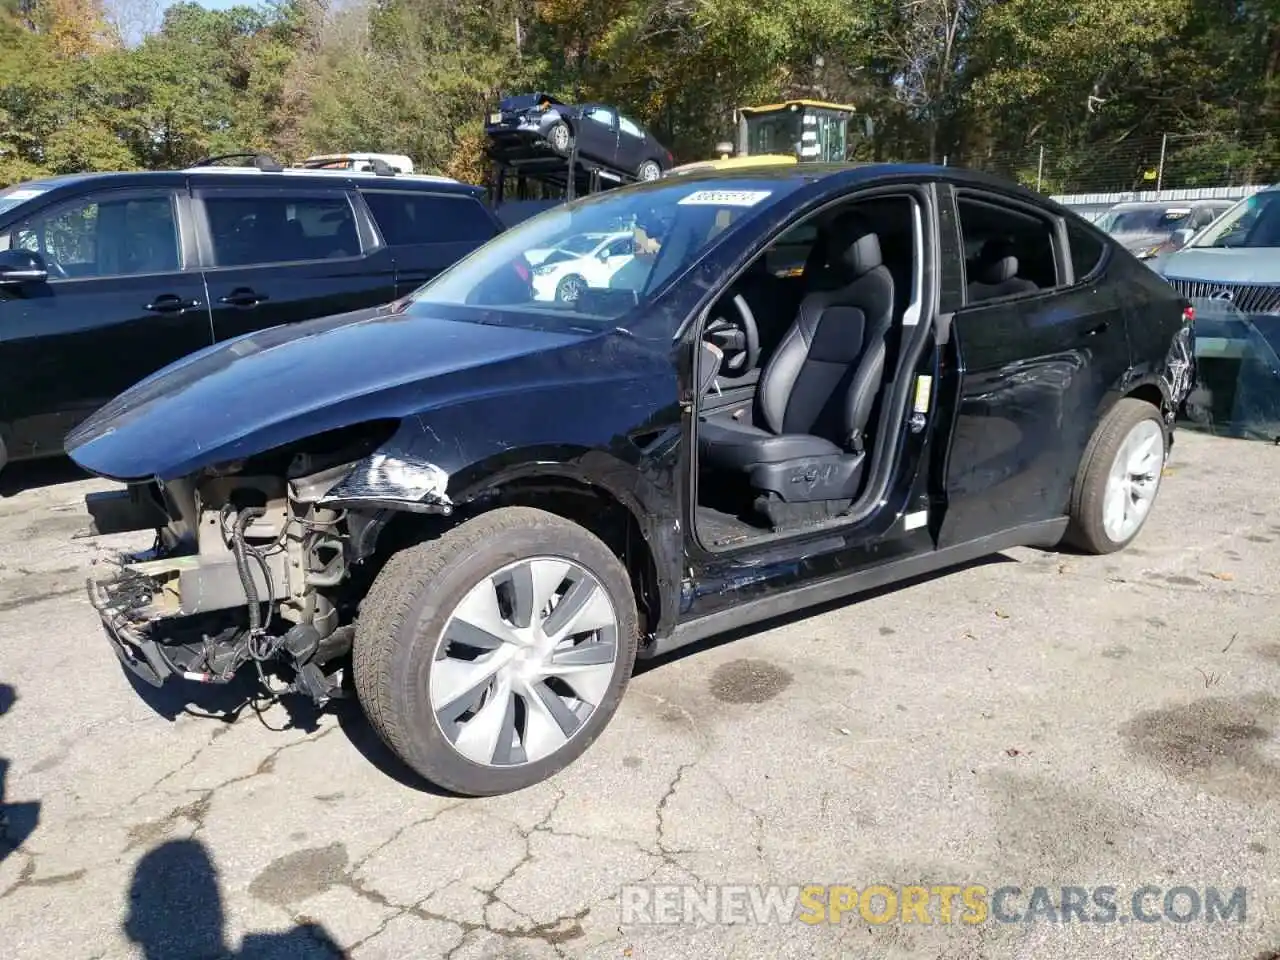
<point>817,391</point>
<point>995,273</point>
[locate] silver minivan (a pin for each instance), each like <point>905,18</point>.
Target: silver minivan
<point>1230,271</point>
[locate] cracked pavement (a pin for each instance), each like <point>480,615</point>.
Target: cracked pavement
<point>1040,719</point>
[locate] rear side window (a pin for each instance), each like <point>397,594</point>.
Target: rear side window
<point>1087,250</point>
<point>255,229</point>
<point>1009,251</point>
<point>408,218</point>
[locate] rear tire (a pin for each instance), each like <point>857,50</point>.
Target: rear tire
<point>435,623</point>
<point>649,170</point>
<point>1118,479</point>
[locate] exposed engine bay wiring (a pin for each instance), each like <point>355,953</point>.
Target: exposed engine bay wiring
<point>259,644</point>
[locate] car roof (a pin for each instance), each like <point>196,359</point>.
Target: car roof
<point>863,172</point>
<point>360,178</point>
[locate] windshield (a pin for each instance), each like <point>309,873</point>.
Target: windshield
<point>583,244</point>
<point>774,133</point>
<point>1253,222</point>
<point>15,196</point>
<point>1154,220</point>
<point>665,227</point>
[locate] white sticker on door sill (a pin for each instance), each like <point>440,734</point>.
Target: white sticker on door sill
<point>914,521</point>
<point>724,198</point>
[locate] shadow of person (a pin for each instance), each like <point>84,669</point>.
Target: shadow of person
<point>17,820</point>
<point>175,913</point>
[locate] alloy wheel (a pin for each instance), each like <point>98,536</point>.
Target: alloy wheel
<point>523,662</point>
<point>570,289</point>
<point>1133,480</point>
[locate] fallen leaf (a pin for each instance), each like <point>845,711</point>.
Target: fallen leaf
<point>627,952</point>
<point>1168,472</point>
<point>1013,752</point>
<point>1002,615</point>
<point>1223,576</point>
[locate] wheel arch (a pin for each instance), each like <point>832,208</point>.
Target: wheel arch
<point>1151,393</point>
<point>594,490</point>
<point>1138,384</point>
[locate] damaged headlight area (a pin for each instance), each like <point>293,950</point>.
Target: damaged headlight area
<point>390,480</point>
<point>253,561</point>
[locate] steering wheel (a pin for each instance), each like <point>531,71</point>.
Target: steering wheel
<point>738,338</point>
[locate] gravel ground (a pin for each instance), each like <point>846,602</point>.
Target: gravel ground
<point>1036,720</point>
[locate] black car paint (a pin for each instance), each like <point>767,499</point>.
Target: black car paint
<point>68,347</point>
<point>612,410</point>
<point>523,126</point>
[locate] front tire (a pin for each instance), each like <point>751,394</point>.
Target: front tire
<point>561,138</point>
<point>491,658</point>
<point>1118,478</point>
<point>569,289</point>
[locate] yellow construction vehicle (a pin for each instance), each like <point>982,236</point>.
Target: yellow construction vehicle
<point>808,130</point>
<point>776,134</point>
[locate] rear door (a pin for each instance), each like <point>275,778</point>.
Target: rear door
<point>427,232</point>
<point>597,134</point>
<point>124,298</point>
<point>1030,374</point>
<point>634,147</point>
<point>281,253</point>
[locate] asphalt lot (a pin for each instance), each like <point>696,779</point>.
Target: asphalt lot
<point>1039,720</point>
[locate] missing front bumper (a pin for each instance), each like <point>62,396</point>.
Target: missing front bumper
<point>147,606</point>
<point>116,601</point>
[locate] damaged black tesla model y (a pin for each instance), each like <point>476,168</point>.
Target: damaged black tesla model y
<point>807,382</point>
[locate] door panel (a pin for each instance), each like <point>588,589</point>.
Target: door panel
<point>597,134</point>
<point>1033,374</point>
<point>633,146</point>
<point>282,256</point>
<point>124,308</point>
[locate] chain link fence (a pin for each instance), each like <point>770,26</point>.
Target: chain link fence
<point>1166,162</point>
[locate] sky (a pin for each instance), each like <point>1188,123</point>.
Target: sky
<point>213,4</point>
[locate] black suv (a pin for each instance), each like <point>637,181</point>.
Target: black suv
<point>107,277</point>
<point>489,505</point>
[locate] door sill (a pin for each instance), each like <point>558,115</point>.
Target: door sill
<point>1046,533</point>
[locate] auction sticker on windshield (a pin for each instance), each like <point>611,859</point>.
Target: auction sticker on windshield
<point>725,198</point>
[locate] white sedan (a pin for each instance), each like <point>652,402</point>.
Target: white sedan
<point>562,274</point>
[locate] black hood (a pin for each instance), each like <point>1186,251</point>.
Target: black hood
<point>275,386</point>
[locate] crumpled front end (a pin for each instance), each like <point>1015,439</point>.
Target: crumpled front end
<point>255,562</point>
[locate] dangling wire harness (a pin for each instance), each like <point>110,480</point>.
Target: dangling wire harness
<point>260,645</point>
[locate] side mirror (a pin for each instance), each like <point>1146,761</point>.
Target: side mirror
<point>1180,237</point>
<point>22,266</point>
<point>603,256</point>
